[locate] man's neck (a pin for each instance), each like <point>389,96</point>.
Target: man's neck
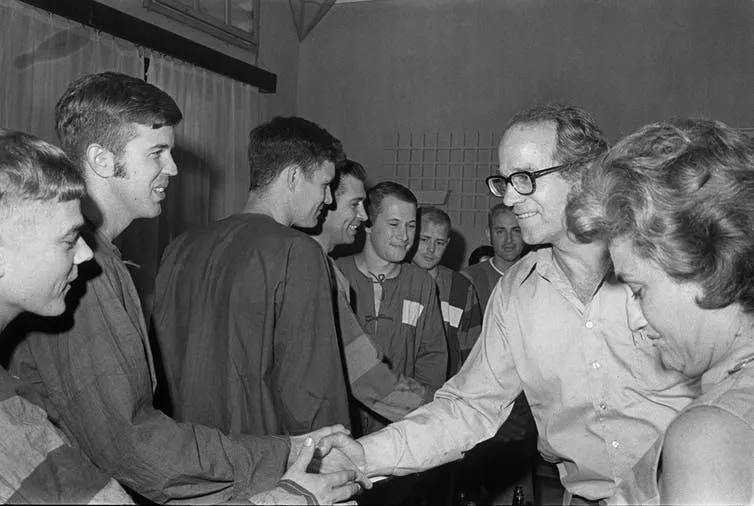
<point>370,263</point>
<point>108,222</point>
<point>500,263</point>
<point>268,204</point>
<point>434,271</point>
<point>7,314</point>
<point>584,265</point>
<point>325,242</point>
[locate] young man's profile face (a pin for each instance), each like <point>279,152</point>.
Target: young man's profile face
<point>433,240</point>
<point>146,166</point>
<point>312,194</point>
<point>343,222</point>
<point>41,247</point>
<point>392,232</point>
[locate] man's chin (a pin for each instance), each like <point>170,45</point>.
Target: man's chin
<point>54,308</point>
<point>510,258</point>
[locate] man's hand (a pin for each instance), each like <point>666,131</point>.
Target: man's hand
<point>340,452</point>
<point>299,487</point>
<point>297,442</point>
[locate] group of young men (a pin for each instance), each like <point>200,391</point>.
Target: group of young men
<point>266,341</point>
<point>77,413</point>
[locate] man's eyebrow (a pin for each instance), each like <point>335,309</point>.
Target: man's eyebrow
<point>526,168</point>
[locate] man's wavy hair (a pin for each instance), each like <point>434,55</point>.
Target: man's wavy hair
<point>286,141</point>
<point>683,193</point>
<point>104,109</point>
<point>347,168</point>
<point>579,139</point>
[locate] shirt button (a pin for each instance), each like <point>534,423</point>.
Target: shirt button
<point>596,365</point>
<point>603,406</point>
<point>616,444</point>
<point>589,324</point>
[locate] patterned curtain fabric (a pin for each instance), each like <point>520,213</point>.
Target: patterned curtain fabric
<point>40,54</point>
<point>210,151</point>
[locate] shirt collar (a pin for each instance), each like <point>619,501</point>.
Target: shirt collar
<point>539,261</point>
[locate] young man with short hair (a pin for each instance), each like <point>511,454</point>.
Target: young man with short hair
<point>243,310</point>
<point>396,302</point>
<point>40,249</point>
<point>373,382</point>
<point>458,298</point>
<point>504,234</point>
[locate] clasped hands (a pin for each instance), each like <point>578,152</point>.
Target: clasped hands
<point>328,463</point>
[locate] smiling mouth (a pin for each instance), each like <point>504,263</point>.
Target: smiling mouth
<point>523,216</point>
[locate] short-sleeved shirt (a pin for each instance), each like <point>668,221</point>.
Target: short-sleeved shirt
<point>732,392</point>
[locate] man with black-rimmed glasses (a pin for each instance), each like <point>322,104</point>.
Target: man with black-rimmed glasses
<point>555,327</point>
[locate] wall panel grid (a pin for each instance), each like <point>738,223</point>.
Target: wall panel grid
<point>447,170</point>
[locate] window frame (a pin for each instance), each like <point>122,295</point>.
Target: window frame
<point>201,21</point>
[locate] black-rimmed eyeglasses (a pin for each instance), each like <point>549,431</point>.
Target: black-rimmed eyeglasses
<point>523,182</point>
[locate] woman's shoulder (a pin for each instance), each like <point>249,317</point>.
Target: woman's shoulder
<point>707,454</point>
<point>707,423</point>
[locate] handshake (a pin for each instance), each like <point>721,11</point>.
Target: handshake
<point>326,466</point>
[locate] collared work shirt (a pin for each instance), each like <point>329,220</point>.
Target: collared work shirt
<point>92,369</point>
<point>37,465</point>
<point>598,400</point>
